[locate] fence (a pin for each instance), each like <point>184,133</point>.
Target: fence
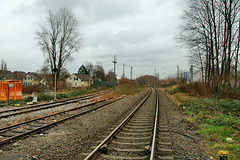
<point>102,84</point>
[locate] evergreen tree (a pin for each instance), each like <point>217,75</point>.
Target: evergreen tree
<point>82,70</point>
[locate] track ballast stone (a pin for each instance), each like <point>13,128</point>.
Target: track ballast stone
<point>72,138</point>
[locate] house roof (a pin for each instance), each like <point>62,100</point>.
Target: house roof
<point>35,76</point>
<point>83,77</point>
<point>12,75</point>
<point>6,75</point>
<point>19,74</point>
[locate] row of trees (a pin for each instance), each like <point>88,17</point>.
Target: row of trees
<point>210,30</point>
<point>96,71</point>
<point>3,66</point>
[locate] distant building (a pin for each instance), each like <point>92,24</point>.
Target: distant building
<point>4,75</point>
<point>163,82</point>
<point>19,75</point>
<point>79,80</point>
<point>185,76</point>
<point>8,75</point>
<point>34,79</point>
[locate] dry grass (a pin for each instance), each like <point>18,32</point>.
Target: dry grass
<point>177,98</point>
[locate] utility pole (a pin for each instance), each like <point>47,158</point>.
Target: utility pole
<point>191,74</point>
<point>177,73</point>
<point>131,73</point>
<point>114,65</point>
<point>123,71</point>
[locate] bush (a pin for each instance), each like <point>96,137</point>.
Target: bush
<point>28,99</point>
<point>62,85</point>
<point>61,96</point>
<point>195,89</point>
<point>43,97</point>
<point>183,88</point>
<point>31,89</point>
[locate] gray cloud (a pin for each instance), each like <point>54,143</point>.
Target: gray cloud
<point>139,32</point>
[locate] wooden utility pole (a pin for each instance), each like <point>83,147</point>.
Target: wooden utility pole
<point>123,71</point>
<point>131,73</point>
<point>177,73</point>
<point>114,65</point>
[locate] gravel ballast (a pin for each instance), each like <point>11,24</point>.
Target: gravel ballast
<point>70,139</point>
<point>186,142</point>
<point>75,137</point>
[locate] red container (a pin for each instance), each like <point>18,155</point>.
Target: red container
<point>10,89</point>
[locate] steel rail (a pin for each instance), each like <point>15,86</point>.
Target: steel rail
<point>47,105</point>
<point>54,114</point>
<point>59,101</point>
<point>43,107</point>
<point>22,135</point>
<point>155,127</point>
<point>94,152</point>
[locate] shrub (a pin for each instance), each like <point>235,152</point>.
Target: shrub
<point>28,99</point>
<point>43,97</point>
<point>183,88</point>
<point>62,95</point>
<point>31,89</point>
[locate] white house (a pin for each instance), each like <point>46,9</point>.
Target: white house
<point>34,79</point>
<point>79,80</point>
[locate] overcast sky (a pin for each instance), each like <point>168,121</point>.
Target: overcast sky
<point>139,32</point>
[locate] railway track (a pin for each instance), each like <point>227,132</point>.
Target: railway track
<point>42,106</point>
<point>20,130</point>
<point>139,136</point>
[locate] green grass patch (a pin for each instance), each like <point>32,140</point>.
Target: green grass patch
<point>128,89</point>
<point>178,89</point>
<point>217,120</point>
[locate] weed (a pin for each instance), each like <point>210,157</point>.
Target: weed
<point>217,120</point>
<point>128,89</point>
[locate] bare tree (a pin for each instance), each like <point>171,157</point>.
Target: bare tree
<point>59,38</point>
<point>99,71</point>
<point>89,67</point>
<point>4,65</point>
<point>110,76</point>
<point>210,30</point>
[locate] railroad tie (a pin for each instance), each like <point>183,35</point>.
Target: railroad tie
<point>124,158</point>
<point>165,151</point>
<point>131,144</point>
<point>18,131</point>
<point>134,138</point>
<point>165,158</point>
<point>2,135</point>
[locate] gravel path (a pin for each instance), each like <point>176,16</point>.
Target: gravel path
<point>72,138</point>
